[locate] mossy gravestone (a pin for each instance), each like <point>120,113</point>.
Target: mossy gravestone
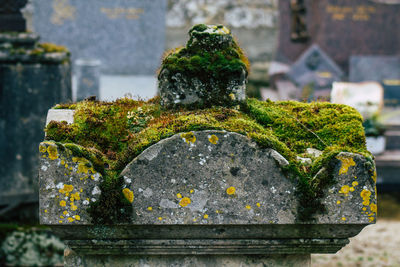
<point>134,182</point>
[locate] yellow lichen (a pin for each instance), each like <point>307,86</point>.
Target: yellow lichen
<point>338,202</point>
<point>185,201</point>
<point>179,195</point>
<point>65,212</point>
<point>346,164</point>
<point>345,189</point>
<point>149,208</point>
<point>71,219</point>
<point>365,193</point>
<point>59,221</point>
<point>373,207</point>
<point>205,216</point>
<point>42,148</point>
<point>352,189</point>
<point>371,219</point>
<point>76,195</point>
<point>354,183</point>
<point>74,207</point>
<point>45,211</point>
<point>213,139</point>
<point>189,137</point>
<point>374,176</point>
<point>366,202</point>
<point>63,203</point>
<point>160,218</point>
<point>53,153</point>
<point>343,218</point>
<point>258,204</point>
<point>62,217</point>
<point>364,209</point>
<point>77,217</point>
<point>248,207</point>
<point>191,191</point>
<point>231,190</point>
<point>66,189</point>
<point>128,194</point>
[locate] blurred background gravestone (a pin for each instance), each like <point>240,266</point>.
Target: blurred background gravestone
<point>315,72</point>
<point>33,77</point>
<point>127,36</point>
<point>382,69</point>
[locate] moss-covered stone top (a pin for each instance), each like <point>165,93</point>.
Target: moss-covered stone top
<point>210,70</point>
<point>23,47</point>
<point>112,134</point>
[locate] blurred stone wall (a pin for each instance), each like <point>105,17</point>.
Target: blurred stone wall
<point>253,22</point>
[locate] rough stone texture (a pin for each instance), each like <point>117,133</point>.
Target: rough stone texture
<point>29,86</point>
<point>68,185</point>
<point>179,88</point>
<point>126,35</point>
<point>213,178</point>
<point>73,260</point>
<point>226,178</point>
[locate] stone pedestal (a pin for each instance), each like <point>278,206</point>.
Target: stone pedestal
<point>207,198</point>
<point>32,79</point>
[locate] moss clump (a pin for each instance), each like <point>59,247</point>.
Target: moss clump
<point>212,58</point>
<point>119,131</point>
<point>48,48</point>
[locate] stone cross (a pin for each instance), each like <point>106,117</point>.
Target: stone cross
<point>11,19</point>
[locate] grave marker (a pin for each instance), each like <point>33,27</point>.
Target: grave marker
<point>342,28</point>
<point>382,69</point>
<point>127,36</point>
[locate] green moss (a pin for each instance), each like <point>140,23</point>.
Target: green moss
<point>214,58</point>
<point>111,134</point>
<point>43,48</point>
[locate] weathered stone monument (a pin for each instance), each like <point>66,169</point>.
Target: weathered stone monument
<point>204,183</point>
<point>33,77</point>
<point>127,36</point>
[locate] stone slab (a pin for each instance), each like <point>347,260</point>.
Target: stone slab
<point>366,97</point>
<point>60,115</point>
<point>342,28</point>
<point>126,35</point>
<point>382,69</point>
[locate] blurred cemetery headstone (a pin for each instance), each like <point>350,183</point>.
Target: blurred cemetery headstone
<point>127,36</point>
<point>353,94</point>
<point>315,72</point>
<point>88,78</point>
<point>382,69</point>
<point>33,78</point>
<point>340,28</point>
